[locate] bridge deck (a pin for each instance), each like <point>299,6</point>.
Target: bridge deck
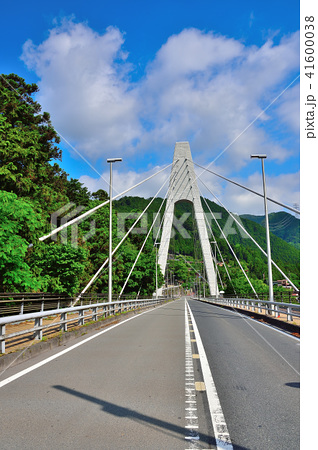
<point>127,386</point>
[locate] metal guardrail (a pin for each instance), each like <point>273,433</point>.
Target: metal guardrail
<point>63,317</point>
<point>291,310</point>
<point>279,297</point>
<point>21,303</point>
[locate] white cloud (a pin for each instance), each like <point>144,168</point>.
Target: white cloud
<point>288,111</point>
<point>125,180</point>
<point>209,99</point>
<point>200,87</point>
<point>83,85</point>
<point>282,188</point>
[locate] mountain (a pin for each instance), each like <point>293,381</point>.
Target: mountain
<point>285,255</point>
<point>281,224</point>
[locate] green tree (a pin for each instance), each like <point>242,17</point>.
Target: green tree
<point>20,225</point>
<point>28,146</point>
<point>60,267</point>
<point>77,192</point>
<point>100,195</point>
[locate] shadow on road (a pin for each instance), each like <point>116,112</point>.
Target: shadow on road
<point>123,412</point>
<point>294,384</point>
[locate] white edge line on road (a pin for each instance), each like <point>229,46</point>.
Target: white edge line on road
<point>191,418</point>
<point>222,436</point>
<point>268,343</point>
<point>272,327</point>
<point>63,352</point>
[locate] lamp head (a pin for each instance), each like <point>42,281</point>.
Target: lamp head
<point>259,156</point>
<point>112,160</point>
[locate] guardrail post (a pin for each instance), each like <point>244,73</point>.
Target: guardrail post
<point>260,310</point>
<point>22,306</point>
<point>63,321</point>
<point>289,314</point>
<point>81,317</point>
<point>94,315</point>
<point>3,341</point>
<point>38,333</point>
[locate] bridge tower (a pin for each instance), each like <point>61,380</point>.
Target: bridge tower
<point>183,186</point>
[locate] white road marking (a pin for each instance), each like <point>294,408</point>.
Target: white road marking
<point>267,342</point>
<point>191,420</point>
<point>221,434</point>
<point>285,333</point>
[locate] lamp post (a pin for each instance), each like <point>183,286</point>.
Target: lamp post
<point>268,242</point>
<point>110,269</point>
<point>216,274</point>
<point>157,243</point>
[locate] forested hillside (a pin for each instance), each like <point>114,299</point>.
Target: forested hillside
<point>255,263</point>
<point>34,187</point>
<point>281,224</point>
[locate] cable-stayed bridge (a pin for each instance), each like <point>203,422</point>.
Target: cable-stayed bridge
<point>184,374</point>
<point>183,185</point>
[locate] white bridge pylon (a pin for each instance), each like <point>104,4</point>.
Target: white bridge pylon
<point>183,186</point>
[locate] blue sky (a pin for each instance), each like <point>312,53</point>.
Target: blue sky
<point>130,79</point>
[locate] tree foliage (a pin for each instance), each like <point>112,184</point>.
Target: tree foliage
<point>28,146</point>
<point>20,222</point>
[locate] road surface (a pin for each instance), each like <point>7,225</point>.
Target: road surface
<point>141,385</point>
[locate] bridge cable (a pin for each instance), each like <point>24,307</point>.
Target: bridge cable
<point>214,254</point>
<point>118,245</point>
<point>245,231</point>
<point>236,258</point>
<point>171,199</point>
<point>248,189</point>
<point>135,262</point>
<point>179,254</point>
<point>217,246</point>
<point>98,273</point>
<point>153,223</point>
<point>180,194</point>
<point>91,211</point>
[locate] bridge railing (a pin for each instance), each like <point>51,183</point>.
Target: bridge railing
<point>290,310</point>
<point>279,297</point>
<point>14,303</point>
<point>59,319</point>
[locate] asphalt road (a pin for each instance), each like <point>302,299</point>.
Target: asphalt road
<point>256,372</point>
<point>132,386</point>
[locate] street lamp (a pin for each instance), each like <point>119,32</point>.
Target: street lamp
<point>157,243</point>
<point>110,270</point>
<point>269,258</point>
<point>216,274</point>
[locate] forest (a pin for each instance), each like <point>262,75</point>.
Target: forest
<point>34,186</point>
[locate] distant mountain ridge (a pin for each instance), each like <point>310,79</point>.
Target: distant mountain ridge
<point>282,224</point>
<point>284,253</point>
